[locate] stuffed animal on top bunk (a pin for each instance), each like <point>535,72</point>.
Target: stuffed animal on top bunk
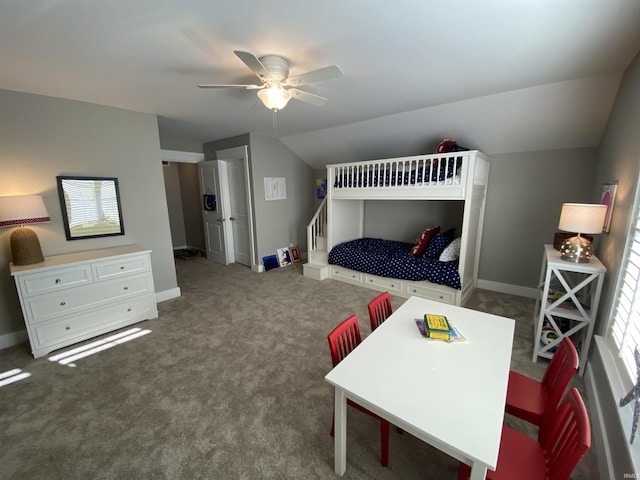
<point>448,145</point>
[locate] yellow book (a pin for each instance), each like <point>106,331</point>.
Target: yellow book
<point>437,326</point>
<point>439,336</point>
<point>437,323</point>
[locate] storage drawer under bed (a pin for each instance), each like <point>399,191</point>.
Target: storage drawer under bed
<point>430,293</point>
<point>392,285</point>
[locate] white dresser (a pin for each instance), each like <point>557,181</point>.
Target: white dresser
<point>72,297</point>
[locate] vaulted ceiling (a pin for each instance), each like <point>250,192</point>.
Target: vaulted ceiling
<point>497,75</point>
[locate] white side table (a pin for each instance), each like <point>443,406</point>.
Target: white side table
<point>568,304</point>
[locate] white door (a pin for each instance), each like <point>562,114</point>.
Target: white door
<point>212,212</point>
<point>239,211</point>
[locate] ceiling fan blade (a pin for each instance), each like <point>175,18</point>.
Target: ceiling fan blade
<point>326,73</point>
<point>246,87</point>
<point>311,98</point>
<point>254,63</point>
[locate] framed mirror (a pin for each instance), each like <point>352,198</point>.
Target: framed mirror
<point>90,206</point>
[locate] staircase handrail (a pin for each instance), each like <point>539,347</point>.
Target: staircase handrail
<point>317,226</point>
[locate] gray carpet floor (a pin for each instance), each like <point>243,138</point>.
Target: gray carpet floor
<point>229,384</point>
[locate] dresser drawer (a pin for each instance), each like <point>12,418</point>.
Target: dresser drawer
<point>49,306</point>
<point>430,293</point>
<point>59,279</point>
<point>124,266</point>
<point>382,283</point>
<point>94,322</point>
<point>346,274</point>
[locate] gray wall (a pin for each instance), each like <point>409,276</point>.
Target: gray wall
<point>277,222</point>
<point>524,199</point>
<point>281,222</point>
<point>41,137</point>
<point>619,159</point>
<point>404,220</point>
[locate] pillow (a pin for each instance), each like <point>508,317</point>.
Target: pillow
<point>438,243</point>
<point>452,251</point>
<point>423,240</point>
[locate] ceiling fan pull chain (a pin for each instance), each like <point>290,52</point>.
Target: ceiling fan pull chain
<point>275,121</point>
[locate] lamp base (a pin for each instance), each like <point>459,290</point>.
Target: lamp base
<point>576,249</point>
<point>25,247</point>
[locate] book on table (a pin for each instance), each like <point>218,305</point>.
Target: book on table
<point>451,335</point>
<point>437,326</point>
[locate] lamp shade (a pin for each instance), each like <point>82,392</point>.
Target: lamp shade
<point>22,210</point>
<point>274,98</point>
<point>582,217</point>
<point>17,211</point>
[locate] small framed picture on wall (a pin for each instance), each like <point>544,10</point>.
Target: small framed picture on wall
<point>609,199</point>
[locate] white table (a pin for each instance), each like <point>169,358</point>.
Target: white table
<point>401,376</point>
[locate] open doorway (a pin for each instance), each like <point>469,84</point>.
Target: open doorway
<point>226,208</point>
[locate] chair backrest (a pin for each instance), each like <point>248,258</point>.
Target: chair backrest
<point>379,310</point>
<point>344,338</point>
<point>565,435</point>
<point>561,369</point>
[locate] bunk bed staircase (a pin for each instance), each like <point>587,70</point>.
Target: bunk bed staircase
<point>317,266</point>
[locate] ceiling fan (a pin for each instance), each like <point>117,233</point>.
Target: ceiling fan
<point>277,88</point>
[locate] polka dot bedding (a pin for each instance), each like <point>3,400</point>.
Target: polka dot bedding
<point>393,259</point>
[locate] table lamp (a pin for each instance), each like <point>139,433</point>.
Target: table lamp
<point>20,210</point>
<point>580,218</point>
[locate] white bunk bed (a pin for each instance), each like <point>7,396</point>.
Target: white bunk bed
<point>446,176</point>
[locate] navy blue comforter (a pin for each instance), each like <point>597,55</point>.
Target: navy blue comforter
<point>393,259</point>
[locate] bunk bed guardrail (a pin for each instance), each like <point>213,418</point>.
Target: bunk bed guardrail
<point>418,171</point>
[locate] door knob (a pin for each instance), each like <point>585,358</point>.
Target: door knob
<point>232,218</point>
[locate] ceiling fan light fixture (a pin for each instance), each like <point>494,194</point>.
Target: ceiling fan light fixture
<point>274,98</point>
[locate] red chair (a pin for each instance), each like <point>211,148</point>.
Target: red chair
<point>528,399</point>
<point>342,340</point>
<point>379,310</point>
<point>563,439</point>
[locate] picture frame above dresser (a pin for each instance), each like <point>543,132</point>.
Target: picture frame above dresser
<point>90,206</point>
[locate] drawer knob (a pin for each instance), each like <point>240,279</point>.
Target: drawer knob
<point>63,304</point>
<point>58,280</point>
<point>129,309</point>
<point>392,285</point>
<point>67,328</point>
<point>122,268</point>
<point>126,288</point>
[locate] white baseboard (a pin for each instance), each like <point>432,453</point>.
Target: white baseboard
<point>167,294</point>
<point>14,338</point>
<point>508,289</point>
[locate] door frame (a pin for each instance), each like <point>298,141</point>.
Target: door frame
<point>241,153</point>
